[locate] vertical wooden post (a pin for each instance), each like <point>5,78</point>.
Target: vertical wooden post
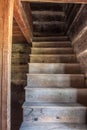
<point>6,18</point>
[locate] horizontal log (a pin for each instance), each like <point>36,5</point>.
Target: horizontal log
<point>17,69</point>
<point>19,82</point>
<point>20,48</point>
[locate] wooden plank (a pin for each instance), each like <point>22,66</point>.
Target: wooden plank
<point>22,20</point>
<point>6,17</point>
<point>58,1</point>
<point>54,112</point>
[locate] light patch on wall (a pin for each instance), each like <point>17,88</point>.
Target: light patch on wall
<point>80,35</point>
<point>82,53</point>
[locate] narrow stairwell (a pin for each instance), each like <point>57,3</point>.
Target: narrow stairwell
<point>55,95</point>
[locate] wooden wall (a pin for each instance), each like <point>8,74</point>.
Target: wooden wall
<point>19,69</point>
<point>78,36</point>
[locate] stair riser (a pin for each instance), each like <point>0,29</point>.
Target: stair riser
<point>56,114</point>
<point>52,81</point>
<point>56,95</point>
<point>52,59</point>
<point>51,51</point>
<point>51,44</point>
<point>50,38</point>
<point>40,68</point>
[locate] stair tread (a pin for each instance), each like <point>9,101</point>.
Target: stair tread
<point>53,126</point>
<point>52,104</point>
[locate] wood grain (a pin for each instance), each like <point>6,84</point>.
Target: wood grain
<point>21,19</point>
<point>6,18</point>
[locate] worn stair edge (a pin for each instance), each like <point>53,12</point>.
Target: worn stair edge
<point>71,105</point>
<point>54,68</point>
<point>55,80</point>
<point>53,126</point>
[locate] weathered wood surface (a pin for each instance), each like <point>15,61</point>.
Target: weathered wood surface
<point>76,9</point>
<point>54,68</point>
<point>78,35</point>
<point>51,38</point>
<point>54,112</point>
<point>20,59</point>
<point>55,80</point>
<point>18,36</point>
<point>6,17</point>
<point>21,48</point>
<point>56,95</point>
<point>79,22</point>
<point>22,20</point>
<point>51,44</point>
<point>54,51</point>
<point>53,58</point>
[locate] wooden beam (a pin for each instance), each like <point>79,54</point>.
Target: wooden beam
<point>58,1</point>
<point>22,20</point>
<point>6,18</point>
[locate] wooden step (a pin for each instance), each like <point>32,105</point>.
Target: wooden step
<point>52,44</point>
<point>54,112</point>
<point>55,80</point>
<point>53,58</point>
<point>53,126</point>
<point>52,51</point>
<point>56,95</point>
<point>54,68</point>
<point>53,16</point>
<point>52,38</point>
<point>49,27</point>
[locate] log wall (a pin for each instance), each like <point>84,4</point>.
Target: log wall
<point>78,36</point>
<point>19,69</point>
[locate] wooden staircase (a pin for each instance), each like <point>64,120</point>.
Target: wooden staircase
<point>55,95</point>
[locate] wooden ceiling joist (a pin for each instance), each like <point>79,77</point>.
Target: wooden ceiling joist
<point>58,1</point>
<point>22,20</point>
